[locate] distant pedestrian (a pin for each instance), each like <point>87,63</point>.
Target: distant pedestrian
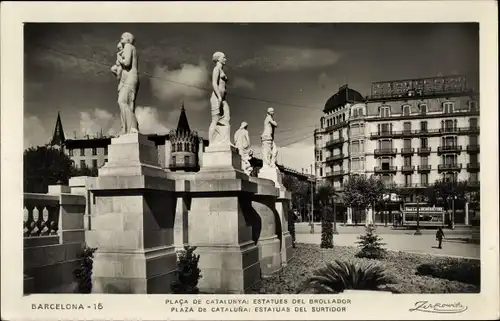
<point>439,237</point>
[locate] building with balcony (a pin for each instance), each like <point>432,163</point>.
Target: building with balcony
<point>409,132</point>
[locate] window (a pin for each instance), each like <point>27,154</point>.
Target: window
<point>82,151</point>
<point>385,111</point>
<point>449,141</point>
<point>423,126</point>
<point>362,146</point>
<point>450,177</point>
<point>82,163</point>
<point>449,125</point>
<point>321,171</point>
<point>448,107</point>
<point>423,109</point>
<point>424,142</point>
<point>407,143</point>
<point>385,128</point>
<point>357,112</point>
<point>174,160</point>
<point>343,117</point>
<point>473,122</point>
<point>473,140</point>
<point>424,179</point>
<point>94,163</point>
<point>186,160</point>
<point>450,159</point>
<point>474,177</point>
<point>406,110</point>
<point>424,161</point>
<point>385,144</point>
<point>408,179</point>
<point>106,150</point>
<point>70,151</point>
<point>407,161</point>
<point>473,105</point>
<point>407,127</point>
<point>355,147</point>
<point>473,159</point>
<point>355,164</point>
<point>94,151</point>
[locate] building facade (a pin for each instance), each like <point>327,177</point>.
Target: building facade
<point>409,132</point>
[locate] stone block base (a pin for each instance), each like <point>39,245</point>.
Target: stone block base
<point>286,248</point>
<point>269,256</point>
<point>273,174</point>
<point>134,273</point>
<point>228,269</point>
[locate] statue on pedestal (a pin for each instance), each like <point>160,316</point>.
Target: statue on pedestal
<point>127,74</point>
<point>269,149</point>
<point>219,130</point>
<point>242,142</point>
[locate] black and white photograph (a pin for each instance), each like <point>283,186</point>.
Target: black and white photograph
<point>319,159</point>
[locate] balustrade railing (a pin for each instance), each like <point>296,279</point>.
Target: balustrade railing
<point>41,215</point>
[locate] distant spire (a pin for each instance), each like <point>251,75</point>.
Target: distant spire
<point>58,137</point>
<point>183,124</point>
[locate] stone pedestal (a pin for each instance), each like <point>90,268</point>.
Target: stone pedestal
<point>349,215</point>
<point>183,205</point>
<point>283,207</point>
<point>273,174</point>
<point>132,225</point>
<point>221,223</point>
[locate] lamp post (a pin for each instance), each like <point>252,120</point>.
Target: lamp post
<point>417,232</point>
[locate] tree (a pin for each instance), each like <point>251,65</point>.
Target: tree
<point>299,189</point>
<point>370,244</point>
<point>44,166</point>
<point>362,193</point>
<point>325,194</point>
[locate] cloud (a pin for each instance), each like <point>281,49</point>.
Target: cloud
<point>35,133</point>
<point>284,58</point>
<point>297,156</point>
<point>92,123</point>
<point>149,121</point>
<point>186,83</point>
<point>240,82</point>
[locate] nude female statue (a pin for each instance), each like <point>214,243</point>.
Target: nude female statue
<point>128,84</point>
<point>219,130</point>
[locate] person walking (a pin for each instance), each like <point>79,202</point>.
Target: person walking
<point>439,237</point>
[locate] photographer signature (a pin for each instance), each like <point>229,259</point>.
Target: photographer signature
<point>425,306</point>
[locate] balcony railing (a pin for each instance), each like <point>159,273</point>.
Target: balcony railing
<point>424,168</point>
<point>385,134</point>
<point>389,169</point>
<point>449,149</point>
<point>473,167</point>
<point>449,167</point>
<point>423,150</point>
<point>407,168</point>
<point>335,158</point>
<point>449,130</point>
<point>385,151</point>
<point>472,149</point>
<point>407,151</point>
<point>425,132</point>
<point>334,142</point>
<point>469,130</point>
<point>335,173</point>
<point>473,184</point>
<point>407,185</point>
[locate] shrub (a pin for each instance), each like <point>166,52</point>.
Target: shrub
<point>465,272</point>
<point>370,244</point>
<point>291,225</point>
<point>187,273</point>
<point>83,273</point>
<point>342,275</point>
<point>327,229</point>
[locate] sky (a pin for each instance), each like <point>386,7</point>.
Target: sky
<point>293,68</point>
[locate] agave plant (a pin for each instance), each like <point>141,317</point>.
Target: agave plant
<point>342,275</point>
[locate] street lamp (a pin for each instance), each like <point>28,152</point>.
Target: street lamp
<point>417,232</point>
<point>452,216</point>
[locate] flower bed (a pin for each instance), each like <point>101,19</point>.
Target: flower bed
<point>400,265</point>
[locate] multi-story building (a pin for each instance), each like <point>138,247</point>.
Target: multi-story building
<point>409,132</point>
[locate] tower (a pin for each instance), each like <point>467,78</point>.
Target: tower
<point>185,144</point>
<point>58,138</point>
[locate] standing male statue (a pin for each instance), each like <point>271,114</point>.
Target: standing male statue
<point>242,142</point>
<point>128,84</point>
<point>269,150</point>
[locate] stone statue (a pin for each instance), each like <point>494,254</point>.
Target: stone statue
<point>269,149</point>
<point>127,74</point>
<point>219,130</point>
<point>242,142</point>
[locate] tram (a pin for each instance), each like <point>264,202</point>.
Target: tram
<point>430,216</point>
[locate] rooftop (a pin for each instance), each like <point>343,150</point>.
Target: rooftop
<point>343,96</point>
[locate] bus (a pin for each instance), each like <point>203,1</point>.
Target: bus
<point>430,216</point>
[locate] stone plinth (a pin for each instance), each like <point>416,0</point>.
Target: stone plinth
<point>283,207</point>
<point>133,222</point>
<point>268,232</point>
<point>220,223</point>
<point>273,174</point>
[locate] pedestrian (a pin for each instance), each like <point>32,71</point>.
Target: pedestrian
<point>439,237</point>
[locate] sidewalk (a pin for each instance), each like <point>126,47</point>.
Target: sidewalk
<point>425,244</point>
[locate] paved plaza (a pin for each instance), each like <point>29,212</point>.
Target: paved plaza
<point>453,245</point>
